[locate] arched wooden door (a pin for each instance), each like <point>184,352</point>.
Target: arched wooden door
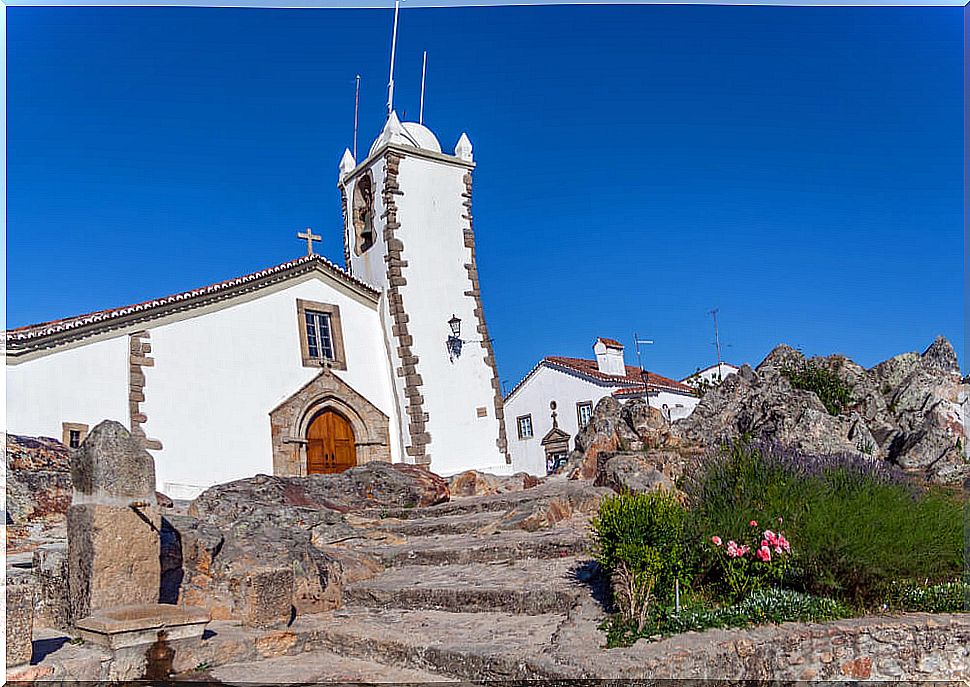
<point>330,444</point>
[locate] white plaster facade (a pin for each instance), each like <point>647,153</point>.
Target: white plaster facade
<point>222,357</point>
<point>572,382</point>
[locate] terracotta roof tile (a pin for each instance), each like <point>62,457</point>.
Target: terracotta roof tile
<point>632,377</point>
<point>613,343</point>
<point>34,331</point>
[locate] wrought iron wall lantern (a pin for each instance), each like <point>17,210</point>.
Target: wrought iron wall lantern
<point>455,342</point>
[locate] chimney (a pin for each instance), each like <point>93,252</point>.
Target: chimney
<point>609,357</point>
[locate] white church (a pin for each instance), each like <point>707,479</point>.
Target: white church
<point>303,367</point>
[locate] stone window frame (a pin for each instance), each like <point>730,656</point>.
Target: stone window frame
<point>339,360</point>
<point>579,415</point>
<point>518,427</point>
<point>68,427</point>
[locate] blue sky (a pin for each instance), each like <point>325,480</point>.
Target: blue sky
<point>801,169</point>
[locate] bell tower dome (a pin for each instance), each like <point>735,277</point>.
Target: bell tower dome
<point>408,231</point>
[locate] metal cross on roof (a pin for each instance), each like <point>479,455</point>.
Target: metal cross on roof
<point>310,238</point>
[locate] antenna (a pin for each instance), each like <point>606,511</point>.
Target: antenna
<point>356,109</point>
<point>424,71</point>
<point>390,80</point>
<point>717,343</point>
<point>643,375</point>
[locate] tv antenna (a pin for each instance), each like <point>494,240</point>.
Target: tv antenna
<point>637,341</point>
<point>717,343</point>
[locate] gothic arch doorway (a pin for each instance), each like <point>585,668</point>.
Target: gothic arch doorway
<point>366,427</point>
<point>330,444</point>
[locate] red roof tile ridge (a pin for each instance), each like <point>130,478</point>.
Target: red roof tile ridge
<point>31,331</point>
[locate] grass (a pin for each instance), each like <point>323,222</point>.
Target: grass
<point>767,606</point>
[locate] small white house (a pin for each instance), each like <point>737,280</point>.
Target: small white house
<point>305,367</point>
<point>713,374</point>
<point>547,409</point>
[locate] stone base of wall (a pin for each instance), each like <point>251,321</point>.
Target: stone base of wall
<point>912,646</point>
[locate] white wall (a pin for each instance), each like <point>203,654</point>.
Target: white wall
<point>430,212</point>
<point>533,398</point>
<point>86,384</point>
<point>712,373</point>
<point>217,377</point>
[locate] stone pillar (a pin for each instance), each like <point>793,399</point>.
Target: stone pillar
<point>20,620</point>
<point>53,607</point>
<point>113,523</point>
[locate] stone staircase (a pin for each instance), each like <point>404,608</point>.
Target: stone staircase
<point>466,595</point>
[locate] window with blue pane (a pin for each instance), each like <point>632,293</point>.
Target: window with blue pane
<point>319,335</point>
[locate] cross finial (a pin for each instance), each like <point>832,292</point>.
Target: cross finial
<point>310,238</point>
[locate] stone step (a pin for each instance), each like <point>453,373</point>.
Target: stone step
<point>527,587</point>
<point>468,646</point>
<point>318,666</point>
<point>580,495</point>
<point>463,523</point>
<point>460,549</point>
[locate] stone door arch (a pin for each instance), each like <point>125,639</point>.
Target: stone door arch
<point>290,422</point>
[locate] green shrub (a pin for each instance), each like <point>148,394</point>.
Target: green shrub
<point>646,533</point>
<point>834,393</point>
<point>855,525</point>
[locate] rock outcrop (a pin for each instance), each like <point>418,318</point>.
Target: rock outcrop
<point>240,534</point>
<point>38,486</point>
<point>906,410</point>
<point>474,483</point>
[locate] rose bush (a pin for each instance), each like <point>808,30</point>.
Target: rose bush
<point>743,568</point>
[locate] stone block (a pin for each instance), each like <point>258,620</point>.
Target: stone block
<point>113,556</point>
<point>112,465</point>
<point>267,597</point>
<point>52,606</point>
<point>20,620</point>
<point>127,626</point>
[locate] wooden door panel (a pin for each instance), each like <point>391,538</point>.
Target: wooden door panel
<point>330,444</point>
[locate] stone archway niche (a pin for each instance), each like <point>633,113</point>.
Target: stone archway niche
<point>290,420</point>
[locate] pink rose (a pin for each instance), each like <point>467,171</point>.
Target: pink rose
<point>764,553</point>
<point>732,549</point>
<point>770,537</point>
<point>753,523</point>
<point>764,543</point>
<point>716,539</point>
<point>743,550</point>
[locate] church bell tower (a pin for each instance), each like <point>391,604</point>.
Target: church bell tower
<point>408,231</point>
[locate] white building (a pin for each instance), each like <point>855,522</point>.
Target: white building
<point>570,388</point>
<point>304,367</point>
<point>714,374</point>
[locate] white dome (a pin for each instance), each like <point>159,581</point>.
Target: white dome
<point>409,134</point>
<point>422,136</point>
